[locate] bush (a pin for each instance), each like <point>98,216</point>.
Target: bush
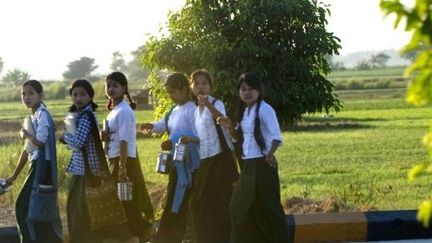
<point>56,90</point>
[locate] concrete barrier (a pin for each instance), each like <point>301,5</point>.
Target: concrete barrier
<point>332,227</point>
<point>359,226</point>
<point>9,235</point>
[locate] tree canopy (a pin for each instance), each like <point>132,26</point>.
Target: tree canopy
<point>284,41</point>
<point>81,68</point>
<point>136,71</point>
<point>118,63</point>
<point>379,60</point>
<point>15,77</point>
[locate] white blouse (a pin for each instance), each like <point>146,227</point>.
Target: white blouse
<point>122,127</point>
<point>269,127</point>
<point>207,133</point>
<point>181,119</point>
<point>40,122</point>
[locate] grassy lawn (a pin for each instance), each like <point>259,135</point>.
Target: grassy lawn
<point>359,156</point>
<point>371,73</point>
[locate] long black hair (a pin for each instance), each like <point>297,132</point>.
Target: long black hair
<point>252,80</point>
<point>86,85</point>
<point>120,78</point>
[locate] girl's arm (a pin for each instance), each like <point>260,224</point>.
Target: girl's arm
<point>270,158</point>
<point>21,163</point>
<point>190,120</point>
<point>41,133</point>
<point>82,133</point>
<point>32,139</point>
<point>226,122</point>
<point>270,123</point>
<point>202,100</point>
<point>126,134</point>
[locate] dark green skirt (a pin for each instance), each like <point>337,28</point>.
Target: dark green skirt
<point>139,211</point>
<point>79,220</point>
<point>44,230</point>
<point>210,197</point>
<point>172,226</point>
<point>256,212</point>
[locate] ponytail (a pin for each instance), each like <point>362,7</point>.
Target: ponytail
<point>109,105</point>
<point>257,127</point>
<point>130,100</point>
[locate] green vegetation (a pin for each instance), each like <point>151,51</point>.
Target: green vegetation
<point>371,73</point>
<point>419,24</point>
<point>359,156</point>
<point>377,78</point>
<point>286,42</point>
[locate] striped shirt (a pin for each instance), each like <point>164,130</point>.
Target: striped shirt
<point>82,140</point>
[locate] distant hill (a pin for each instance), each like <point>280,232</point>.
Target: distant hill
<point>350,60</point>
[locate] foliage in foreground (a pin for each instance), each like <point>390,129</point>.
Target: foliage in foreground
<point>418,20</point>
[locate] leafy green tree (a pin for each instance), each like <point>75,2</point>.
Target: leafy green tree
<point>137,72</point>
<point>362,65</point>
<point>81,68</point>
<point>15,77</point>
<point>419,22</point>
<point>118,63</point>
<point>333,64</point>
<point>284,41</point>
<point>379,60</point>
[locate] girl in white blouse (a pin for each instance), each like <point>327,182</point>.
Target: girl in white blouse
<point>120,136</point>
<point>179,123</point>
<point>256,212</point>
<point>212,189</point>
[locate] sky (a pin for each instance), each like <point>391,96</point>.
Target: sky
<point>42,37</point>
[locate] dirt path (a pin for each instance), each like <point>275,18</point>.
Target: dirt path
<point>7,215</point>
<point>293,205</point>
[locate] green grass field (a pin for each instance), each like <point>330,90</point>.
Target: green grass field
<point>371,73</point>
<point>360,156</point>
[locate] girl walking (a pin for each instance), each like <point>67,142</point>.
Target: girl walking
<point>179,124</point>
<point>86,162</point>
<point>211,193</point>
<point>122,153</point>
<point>35,224</point>
<point>256,212</point>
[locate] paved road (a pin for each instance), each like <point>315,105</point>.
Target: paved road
<point>401,241</point>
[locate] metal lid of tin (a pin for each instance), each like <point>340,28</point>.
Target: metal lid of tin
<point>3,187</point>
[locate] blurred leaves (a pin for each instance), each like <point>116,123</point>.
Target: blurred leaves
<point>418,19</point>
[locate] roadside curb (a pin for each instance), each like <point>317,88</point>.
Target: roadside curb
<point>332,227</point>
<point>358,226</point>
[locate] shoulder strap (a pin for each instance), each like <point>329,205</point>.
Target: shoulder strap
<point>41,166</point>
<point>167,117</point>
<point>98,146</point>
<point>257,129</point>
<point>221,136</point>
